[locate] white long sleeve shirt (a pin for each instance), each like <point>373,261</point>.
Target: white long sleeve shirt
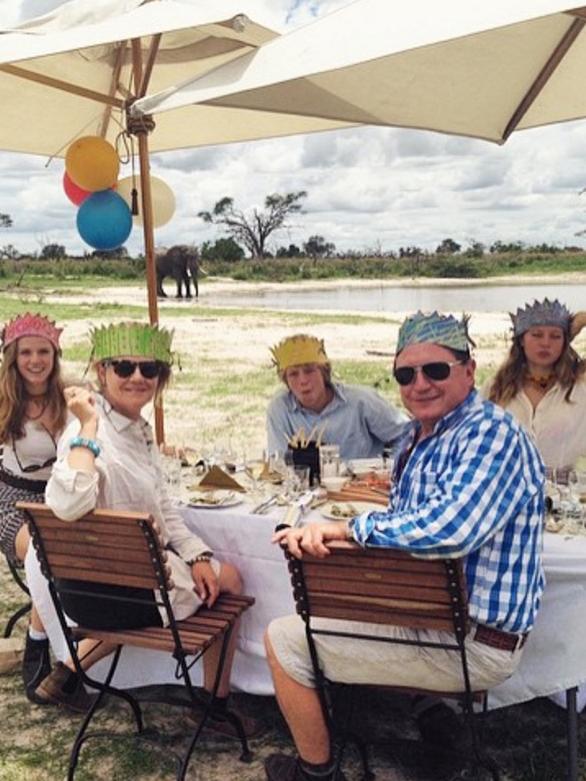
<point>128,477</point>
<point>557,426</point>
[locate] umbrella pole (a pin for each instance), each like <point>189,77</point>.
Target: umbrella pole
<point>149,248</point>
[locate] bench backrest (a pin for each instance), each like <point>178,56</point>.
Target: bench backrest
<point>381,586</point>
<point>110,547</point>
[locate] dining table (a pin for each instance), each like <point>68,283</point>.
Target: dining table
<point>554,658</point>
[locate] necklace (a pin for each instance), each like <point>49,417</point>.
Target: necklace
<point>41,401</point>
<point>543,382</point>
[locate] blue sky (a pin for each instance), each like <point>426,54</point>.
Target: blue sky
<point>368,188</point>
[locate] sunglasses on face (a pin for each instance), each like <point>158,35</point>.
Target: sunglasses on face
<point>148,369</point>
<point>437,371</point>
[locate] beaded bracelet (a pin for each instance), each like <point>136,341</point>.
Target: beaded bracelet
<point>89,444</point>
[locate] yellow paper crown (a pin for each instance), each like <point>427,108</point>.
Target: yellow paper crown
<point>146,341</point>
<point>298,349</point>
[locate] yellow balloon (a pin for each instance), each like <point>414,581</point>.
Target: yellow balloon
<point>162,198</point>
<point>92,163</point>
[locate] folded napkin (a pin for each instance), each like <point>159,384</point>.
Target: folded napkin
<point>217,478</point>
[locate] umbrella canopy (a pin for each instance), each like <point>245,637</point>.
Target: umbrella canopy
<point>72,73</point>
<point>464,67</point>
<point>75,71</point>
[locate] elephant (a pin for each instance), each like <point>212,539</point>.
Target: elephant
<point>178,262</point>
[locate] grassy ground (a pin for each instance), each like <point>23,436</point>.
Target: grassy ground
<point>220,397</point>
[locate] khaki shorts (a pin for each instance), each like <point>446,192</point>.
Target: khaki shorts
<point>349,660</point>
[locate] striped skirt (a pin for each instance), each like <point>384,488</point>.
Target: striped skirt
<point>12,519</point>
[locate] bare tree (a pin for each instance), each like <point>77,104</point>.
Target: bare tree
<point>254,229</point>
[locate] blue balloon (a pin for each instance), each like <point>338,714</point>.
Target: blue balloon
<point>104,220</point>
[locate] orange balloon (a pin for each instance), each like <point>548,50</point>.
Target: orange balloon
<point>92,163</point>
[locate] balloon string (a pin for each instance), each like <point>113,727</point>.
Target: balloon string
<point>134,194</point>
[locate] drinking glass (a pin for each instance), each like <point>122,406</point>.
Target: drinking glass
<point>329,457</point>
<point>302,476</point>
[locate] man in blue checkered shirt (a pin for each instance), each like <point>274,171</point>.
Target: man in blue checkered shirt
<point>468,483</point>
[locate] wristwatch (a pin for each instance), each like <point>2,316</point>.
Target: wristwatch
<point>206,556</point>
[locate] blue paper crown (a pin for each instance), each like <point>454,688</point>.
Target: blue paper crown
<point>544,312</point>
<point>444,330</point>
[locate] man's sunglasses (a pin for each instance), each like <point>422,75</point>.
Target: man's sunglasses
<point>438,370</point>
<point>125,369</point>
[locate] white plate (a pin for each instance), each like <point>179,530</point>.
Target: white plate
<point>349,509</point>
<point>224,499</point>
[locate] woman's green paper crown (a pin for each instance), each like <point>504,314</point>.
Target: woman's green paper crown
<point>148,341</point>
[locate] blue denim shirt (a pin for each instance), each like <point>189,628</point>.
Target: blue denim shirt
<point>357,419</point>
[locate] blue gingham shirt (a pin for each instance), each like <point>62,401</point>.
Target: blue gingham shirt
<point>357,419</point>
<point>474,488</point>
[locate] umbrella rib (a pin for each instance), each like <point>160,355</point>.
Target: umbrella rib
<point>544,75</point>
<point>150,64</point>
<point>64,86</point>
<point>113,89</point>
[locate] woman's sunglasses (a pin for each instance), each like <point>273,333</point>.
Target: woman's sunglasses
<point>37,467</point>
<point>125,369</point>
<point>438,370</point>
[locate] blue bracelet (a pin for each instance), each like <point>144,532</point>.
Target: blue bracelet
<point>90,444</point>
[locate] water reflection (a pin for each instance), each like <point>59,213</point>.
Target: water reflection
<point>475,298</point>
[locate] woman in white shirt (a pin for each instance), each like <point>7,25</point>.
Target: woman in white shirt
<point>107,458</point>
<point>32,417</point>
<point>543,381</point>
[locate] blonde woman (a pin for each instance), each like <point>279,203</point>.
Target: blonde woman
<point>32,416</point>
<point>107,458</point>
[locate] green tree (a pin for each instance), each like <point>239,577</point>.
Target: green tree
<point>9,252</point>
<point>53,252</point>
<point>448,247</point>
<point>292,251</point>
<point>222,249</point>
<point>253,230</point>
<point>318,247</point>
<point>475,250</point>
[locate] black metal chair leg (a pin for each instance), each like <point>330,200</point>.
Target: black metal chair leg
<point>572,733</point>
<point>22,611</point>
<point>103,689</point>
<point>246,755</point>
<point>16,616</point>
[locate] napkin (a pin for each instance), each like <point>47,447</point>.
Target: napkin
<point>217,478</point>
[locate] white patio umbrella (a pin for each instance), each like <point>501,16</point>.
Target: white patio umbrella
<point>76,71</point>
<point>464,67</point>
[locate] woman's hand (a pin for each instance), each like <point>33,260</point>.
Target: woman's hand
<point>206,582</point>
<point>312,538</point>
<point>82,403</point>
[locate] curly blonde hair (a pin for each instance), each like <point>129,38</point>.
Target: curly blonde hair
<point>14,396</point>
<point>508,381</point>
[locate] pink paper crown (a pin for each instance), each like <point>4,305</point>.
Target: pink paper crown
<point>31,325</point>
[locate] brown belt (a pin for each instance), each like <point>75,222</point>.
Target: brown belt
<point>496,638</point>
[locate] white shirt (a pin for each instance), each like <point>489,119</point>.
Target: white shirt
<point>558,427</point>
<point>128,477</point>
<point>36,447</point>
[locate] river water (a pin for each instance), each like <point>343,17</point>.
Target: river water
<point>383,298</point>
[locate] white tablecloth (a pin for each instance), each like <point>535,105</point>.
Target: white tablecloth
<point>554,658</point>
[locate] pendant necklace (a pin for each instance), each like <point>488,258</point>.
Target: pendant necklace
<point>542,383</point>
